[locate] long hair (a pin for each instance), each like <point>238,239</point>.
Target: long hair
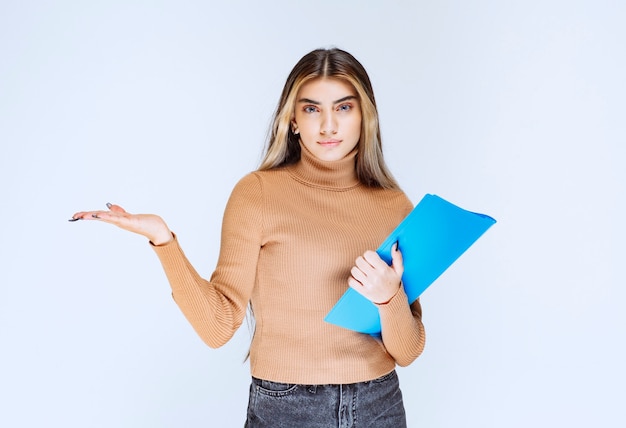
<point>283,146</point>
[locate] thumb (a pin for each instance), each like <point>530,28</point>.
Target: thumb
<point>397,262</point>
<point>115,208</point>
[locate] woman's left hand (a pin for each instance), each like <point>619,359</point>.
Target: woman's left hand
<point>374,278</point>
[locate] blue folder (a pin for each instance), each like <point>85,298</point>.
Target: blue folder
<point>430,239</point>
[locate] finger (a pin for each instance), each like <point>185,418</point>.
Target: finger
<point>115,208</point>
<point>110,216</point>
<point>77,216</point>
<point>355,285</point>
<point>397,262</point>
<point>364,265</point>
<point>105,216</point>
<point>83,215</point>
<point>374,260</point>
<point>358,275</point>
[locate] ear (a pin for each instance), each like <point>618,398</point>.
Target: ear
<point>294,126</point>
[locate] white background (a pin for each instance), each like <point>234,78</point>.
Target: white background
<point>511,108</point>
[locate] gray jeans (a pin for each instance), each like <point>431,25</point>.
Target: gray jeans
<point>374,404</point>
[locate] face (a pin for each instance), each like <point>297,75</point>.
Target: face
<point>327,117</point>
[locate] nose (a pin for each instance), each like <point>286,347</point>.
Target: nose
<point>329,124</point>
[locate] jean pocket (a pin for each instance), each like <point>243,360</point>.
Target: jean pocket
<point>274,389</point>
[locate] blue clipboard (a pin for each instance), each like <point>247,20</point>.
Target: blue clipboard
<point>430,238</point>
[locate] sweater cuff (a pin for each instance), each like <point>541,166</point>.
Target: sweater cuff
<point>168,250</point>
<point>397,303</point>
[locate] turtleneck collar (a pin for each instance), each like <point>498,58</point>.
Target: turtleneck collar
<point>332,175</point>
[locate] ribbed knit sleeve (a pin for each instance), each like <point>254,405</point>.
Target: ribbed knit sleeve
<point>216,308</point>
<point>401,324</point>
<point>402,329</point>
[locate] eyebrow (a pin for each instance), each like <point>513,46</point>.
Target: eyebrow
<point>340,100</point>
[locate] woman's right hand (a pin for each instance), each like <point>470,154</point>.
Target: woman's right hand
<point>149,225</point>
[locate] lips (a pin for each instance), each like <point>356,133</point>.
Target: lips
<point>329,142</point>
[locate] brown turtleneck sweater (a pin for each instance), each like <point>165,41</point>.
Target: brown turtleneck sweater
<point>289,239</point>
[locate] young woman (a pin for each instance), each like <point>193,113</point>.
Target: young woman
<point>296,233</point>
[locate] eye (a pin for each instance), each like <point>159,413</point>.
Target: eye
<point>344,107</point>
<point>309,109</point>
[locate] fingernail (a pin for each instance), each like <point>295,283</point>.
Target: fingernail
<point>109,205</point>
<point>75,219</point>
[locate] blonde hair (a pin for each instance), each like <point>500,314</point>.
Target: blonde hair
<point>283,146</point>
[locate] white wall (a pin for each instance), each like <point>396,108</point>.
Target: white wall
<point>515,109</point>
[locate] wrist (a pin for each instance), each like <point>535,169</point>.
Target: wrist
<point>390,298</point>
<point>162,239</point>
